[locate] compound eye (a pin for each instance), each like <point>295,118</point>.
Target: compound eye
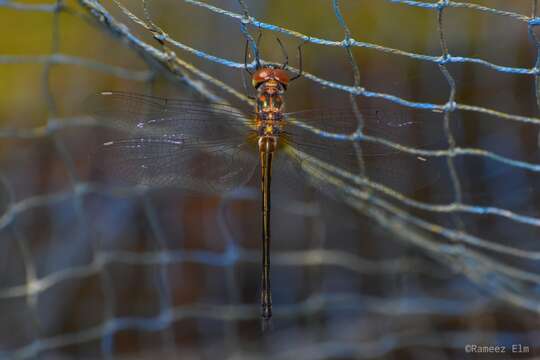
<point>260,76</point>
<point>281,76</point>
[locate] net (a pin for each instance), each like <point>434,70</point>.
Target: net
<point>420,264</point>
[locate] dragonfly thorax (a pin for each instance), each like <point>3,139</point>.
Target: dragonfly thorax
<point>270,84</point>
<point>269,108</point>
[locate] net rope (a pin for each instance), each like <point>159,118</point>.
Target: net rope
<point>475,257</point>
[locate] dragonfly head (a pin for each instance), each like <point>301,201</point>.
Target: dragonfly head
<point>270,75</point>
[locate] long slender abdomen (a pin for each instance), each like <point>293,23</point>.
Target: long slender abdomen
<point>267,145</point>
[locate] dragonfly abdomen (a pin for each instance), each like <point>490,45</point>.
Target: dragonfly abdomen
<point>267,144</point>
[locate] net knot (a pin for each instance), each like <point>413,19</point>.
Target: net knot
<point>444,59</point>
<point>53,125</point>
<point>449,106</point>
<point>358,90</point>
<point>442,4</point>
<point>60,6</point>
<point>169,55</point>
<point>246,20</point>
<point>159,36</point>
<point>347,42</point>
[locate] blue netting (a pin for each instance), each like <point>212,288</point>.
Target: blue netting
<point>478,271</point>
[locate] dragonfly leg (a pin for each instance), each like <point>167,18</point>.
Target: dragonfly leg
<point>251,97</point>
<point>300,65</point>
<point>285,55</point>
<point>246,59</point>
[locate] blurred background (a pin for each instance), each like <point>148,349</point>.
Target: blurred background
<point>91,270</point>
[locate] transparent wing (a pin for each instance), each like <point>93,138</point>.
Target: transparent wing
<point>408,127</point>
<point>390,167</point>
<point>161,142</point>
<point>126,110</point>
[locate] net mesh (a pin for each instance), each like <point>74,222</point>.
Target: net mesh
<point>378,270</point>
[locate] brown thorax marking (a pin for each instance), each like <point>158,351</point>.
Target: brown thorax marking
<point>270,83</point>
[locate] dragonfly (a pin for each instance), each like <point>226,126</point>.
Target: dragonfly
<point>214,147</point>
